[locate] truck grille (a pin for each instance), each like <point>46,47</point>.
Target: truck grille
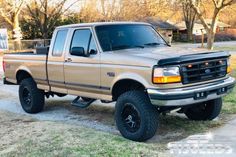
<point>203,71</point>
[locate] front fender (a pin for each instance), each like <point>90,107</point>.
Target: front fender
<point>130,76</point>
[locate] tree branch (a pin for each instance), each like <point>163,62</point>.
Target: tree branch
<point>227,3</point>
<point>215,3</point>
<point>19,7</point>
<point>6,18</point>
<point>200,16</point>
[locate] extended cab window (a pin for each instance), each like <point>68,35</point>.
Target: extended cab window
<point>83,39</point>
<point>59,43</point>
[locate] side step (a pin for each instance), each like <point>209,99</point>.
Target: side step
<point>82,104</point>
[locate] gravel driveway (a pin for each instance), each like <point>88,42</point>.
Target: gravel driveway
<point>59,109</point>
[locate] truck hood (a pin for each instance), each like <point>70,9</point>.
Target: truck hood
<point>152,56</point>
<point>160,52</point>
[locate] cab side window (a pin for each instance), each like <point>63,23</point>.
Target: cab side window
<point>59,43</point>
<point>82,39</point>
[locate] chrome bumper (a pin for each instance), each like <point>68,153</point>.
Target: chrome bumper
<point>191,95</point>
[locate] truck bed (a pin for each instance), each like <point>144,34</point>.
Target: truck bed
<point>34,63</point>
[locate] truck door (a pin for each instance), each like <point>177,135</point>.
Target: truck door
<point>82,72</point>
<point>55,65</point>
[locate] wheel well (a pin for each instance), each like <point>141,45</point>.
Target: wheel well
<point>125,85</point>
<point>21,75</point>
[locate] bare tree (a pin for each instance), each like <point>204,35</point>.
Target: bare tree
<point>10,10</point>
<point>45,14</point>
<point>218,6</point>
<point>108,9</point>
<point>89,11</point>
<point>189,17</point>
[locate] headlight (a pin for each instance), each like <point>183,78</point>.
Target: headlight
<point>166,75</point>
<point>228,66</point>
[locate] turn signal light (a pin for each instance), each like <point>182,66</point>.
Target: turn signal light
<point>228,66</point>
<point>229,69</point>
<point>167,79</point>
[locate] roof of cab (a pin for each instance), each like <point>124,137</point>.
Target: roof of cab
<point>99,24</point>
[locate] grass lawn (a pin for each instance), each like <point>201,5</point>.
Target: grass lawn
<point>230,100</point>
<point>24,136</point>
<point>225,48</point>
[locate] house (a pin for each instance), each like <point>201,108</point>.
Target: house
<point>220,27</point>
<point>165,28</point>
<point>198,29</point>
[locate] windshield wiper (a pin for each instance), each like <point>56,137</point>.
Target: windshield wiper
<point>154,44</point>
<point>126,47</point>
<point>138,46</point>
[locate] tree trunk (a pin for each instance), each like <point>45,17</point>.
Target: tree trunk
<point>16,33</point>
<point>212,32</point>
<point>16,28</point>
<point>210,39</point>
<point>190,34</point>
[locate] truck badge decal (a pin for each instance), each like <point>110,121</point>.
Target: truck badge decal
<point>207,71</point>
<point>111,74</point>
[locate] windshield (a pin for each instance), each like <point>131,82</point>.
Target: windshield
<point>125,36</point>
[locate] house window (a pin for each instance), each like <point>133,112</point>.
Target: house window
<point>222,29</point>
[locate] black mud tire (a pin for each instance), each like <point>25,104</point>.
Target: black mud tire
<point>137,105</point>
<point>205,111</point>
<point>31,98</point>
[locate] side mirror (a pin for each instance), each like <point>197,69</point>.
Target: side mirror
<point>92,52</point>
<point>77,51</point>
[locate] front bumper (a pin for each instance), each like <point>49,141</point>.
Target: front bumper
<point>191,95</point>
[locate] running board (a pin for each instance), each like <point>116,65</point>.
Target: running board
<point>81,104</point>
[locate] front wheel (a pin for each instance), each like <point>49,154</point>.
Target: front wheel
<point>136,118</point>
<point>32,99</point>
<point>205,111</point>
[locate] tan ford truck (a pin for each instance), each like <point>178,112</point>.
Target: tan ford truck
<point>126,62</point>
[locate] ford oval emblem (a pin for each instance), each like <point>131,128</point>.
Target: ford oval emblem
<point>207,71</point>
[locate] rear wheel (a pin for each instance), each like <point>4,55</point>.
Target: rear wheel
<point>205,111</point>
<point>31,98</point>
<point>136,118</point>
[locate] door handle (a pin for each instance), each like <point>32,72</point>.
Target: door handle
<point>68,60</point>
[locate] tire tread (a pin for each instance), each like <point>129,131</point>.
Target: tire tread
<point>148,110</point>
<point>38,99</point>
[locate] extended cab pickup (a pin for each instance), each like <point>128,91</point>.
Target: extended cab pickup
<point>126,62</point>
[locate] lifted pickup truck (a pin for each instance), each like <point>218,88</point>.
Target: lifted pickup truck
<point>126,62</point>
